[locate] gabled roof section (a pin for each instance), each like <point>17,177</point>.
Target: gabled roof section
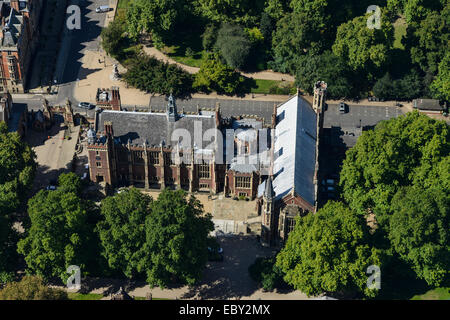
<point>295,150</point>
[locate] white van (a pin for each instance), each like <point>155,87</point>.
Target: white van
<point>102,9</point>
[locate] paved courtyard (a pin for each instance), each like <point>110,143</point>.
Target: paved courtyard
<point>54,153</point>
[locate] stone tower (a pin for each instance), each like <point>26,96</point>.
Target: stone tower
<point>320,91</point>
<point>171,110</point>
<point>268,213</point>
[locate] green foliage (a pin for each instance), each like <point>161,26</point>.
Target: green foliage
<point>441,84</point>
<point>237,11</point>
<point>292,39</point>
<point>329,252</point>
<point>409,150</point>
<point>363,48</point>
<point>157,17</point>
<point>325,67</point>
<point>420,232</point>
<point>234,45</point>
<point>176,240</point>
<point>122,232</point>
<point>428,40</point>
<point>112,37</point>
<point>209,37</point>
<point>60,234</point>
<point>70,182</point>
<point>384,87</point>
<point>8,242</point>
<point>17,168</point>
<point>151,75</point>
<point>266,273</point>
<point>216,76</point>
<point>31,288</point>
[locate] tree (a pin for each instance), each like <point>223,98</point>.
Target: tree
<point>216,76</point>
<point>230,11</point>
<point>209,37</point>
<point>122,232</point>
<point>176,240</point>
<point>8,243</point>
<point>325,67</point>
<point>329,252</point>
<point>428,40</point>
<point>112,37</point>
<point>292,39</point>
<point>158,17</point>
<point>17,168</point>
<point>70,182</point>
<point>233,45</point>
<point>363,48</point>
<point>408,150</point>
<point>420,232</point>
<point>151,75</point>
<point>384,87</point>
<point>441,84</point>
<point>409,87</point>
<point>31,288</point>
<point>59,236</point>
<point>266,273</point>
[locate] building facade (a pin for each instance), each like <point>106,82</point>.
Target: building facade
<point>175,150</point>
<point>18,41</point>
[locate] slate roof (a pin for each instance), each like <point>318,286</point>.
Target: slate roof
<point>13,25</point>
<point>294,150</point>
<point>153,128</point>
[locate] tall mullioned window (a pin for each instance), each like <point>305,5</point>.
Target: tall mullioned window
<point>204,171</point>
<point>243,182</point>
<point>154,157</point>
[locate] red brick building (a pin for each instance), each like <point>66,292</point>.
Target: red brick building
<point>170,150</point>
<point>18,40</point>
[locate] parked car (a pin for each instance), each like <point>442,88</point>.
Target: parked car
<point>86,105</point>
<point>102,9</point>
<point>51,188</point>
<point>342,107</point>
<point>215,254</point>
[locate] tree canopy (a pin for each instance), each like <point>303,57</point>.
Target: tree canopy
<point>408,150</point>
<point>329,252</point>
<point>176,240</point>
<point>17,168</point>
<point>31,288</point>
<point>59,236</point>
<point>122,230</point>
<point>420,232</point>
<point>217,76</point>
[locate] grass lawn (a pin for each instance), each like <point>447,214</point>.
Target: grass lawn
<point>87,296</point>
<point>399,31</point>
<point>267,87</point>
<point>434,294</point>
<point>177,54</point>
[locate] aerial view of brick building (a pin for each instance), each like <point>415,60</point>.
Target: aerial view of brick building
<point>18,40</point>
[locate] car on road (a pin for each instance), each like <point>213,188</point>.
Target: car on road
<point>342,107</point>
<point>102,9</point>
<point>86,105</point>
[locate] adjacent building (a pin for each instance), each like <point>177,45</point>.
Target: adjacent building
<point>14,115</point>
<point>18,39</point>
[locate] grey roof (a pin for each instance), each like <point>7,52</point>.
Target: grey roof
<point>428,104</point>
<point>154,129</point>
<point>268,189</point>
<point>294,150</point>
<point>243,167</point>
